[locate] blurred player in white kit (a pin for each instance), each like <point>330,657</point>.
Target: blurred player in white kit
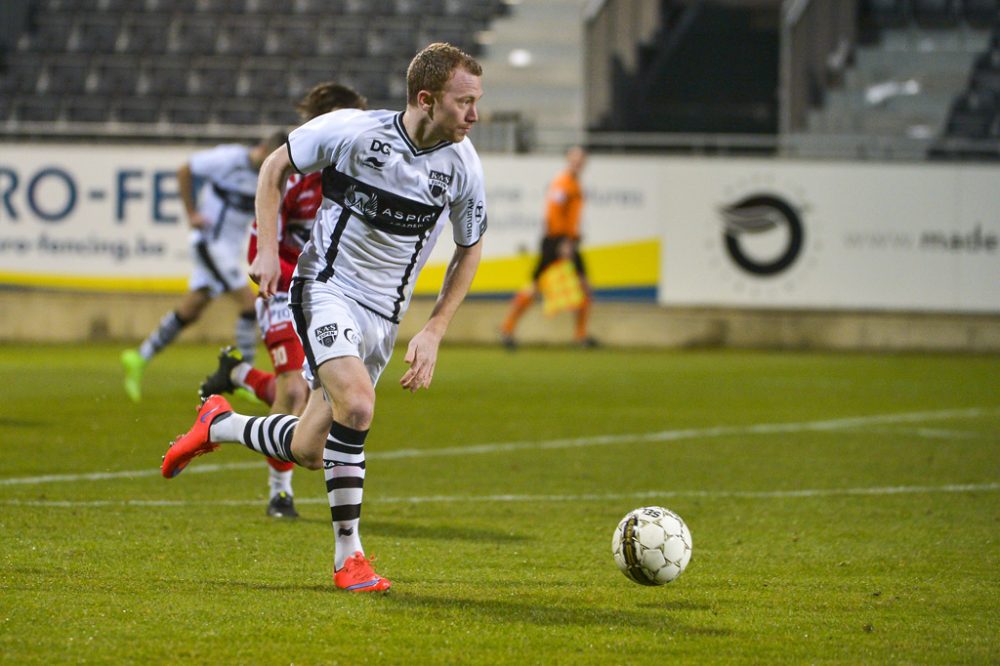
<point>219,219</point>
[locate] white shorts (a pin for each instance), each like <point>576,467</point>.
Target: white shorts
<point>332,325</point>
<point>217,267</point>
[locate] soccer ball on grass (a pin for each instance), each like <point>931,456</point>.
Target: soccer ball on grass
<point>651,545</point>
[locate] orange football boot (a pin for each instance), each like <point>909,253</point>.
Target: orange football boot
<point>357,575</point>
<point>194,442</point>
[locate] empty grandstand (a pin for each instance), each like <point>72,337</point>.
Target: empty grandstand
<point>872,78</point>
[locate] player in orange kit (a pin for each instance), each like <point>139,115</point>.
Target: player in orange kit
<point>564,203</point>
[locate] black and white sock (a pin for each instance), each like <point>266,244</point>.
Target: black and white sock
<point>270,435</point>
<point>344,470</point>
<point>246,335</point>
<point>164,334</point>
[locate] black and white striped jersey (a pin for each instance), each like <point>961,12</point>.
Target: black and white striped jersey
<point>385,202</point>
<point>226,197</point>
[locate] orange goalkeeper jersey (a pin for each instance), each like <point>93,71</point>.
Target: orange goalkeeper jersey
<point>563,204</point>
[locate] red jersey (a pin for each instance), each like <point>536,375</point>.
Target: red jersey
<point>303,197</point>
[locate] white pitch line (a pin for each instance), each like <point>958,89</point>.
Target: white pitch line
<point>562,443</point>
<point>588,497</point>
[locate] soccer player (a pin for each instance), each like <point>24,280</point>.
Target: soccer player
<point>285,391</point>
<point>563,205</point>
<point>219,220</point>
<point>388,179</point>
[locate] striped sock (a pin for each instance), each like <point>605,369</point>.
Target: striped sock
<point>164,334</point>
<point>270,435</point>
<point>246,335</point>
<point>344,470</point>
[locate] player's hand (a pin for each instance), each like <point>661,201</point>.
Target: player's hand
<point>565,249</point>
<point>265,271</point>
<point>198,221</point>
<point>421,356</point>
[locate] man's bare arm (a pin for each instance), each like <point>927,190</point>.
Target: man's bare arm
<point>274,172</point>
<point>421,354</point>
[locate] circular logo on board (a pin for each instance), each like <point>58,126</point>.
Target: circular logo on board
<point>763,233</point>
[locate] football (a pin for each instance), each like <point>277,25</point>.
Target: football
<point>652,545</point>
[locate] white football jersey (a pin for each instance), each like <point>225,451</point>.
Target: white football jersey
<point>226,198</point>
<point>382,201</point>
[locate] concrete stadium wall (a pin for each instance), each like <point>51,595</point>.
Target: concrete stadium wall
<point>65,317</point>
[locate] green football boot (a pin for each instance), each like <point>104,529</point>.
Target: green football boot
<point>134,365</point>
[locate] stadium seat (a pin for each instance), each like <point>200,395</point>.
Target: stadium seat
<point>96,34</point>
<point>92,109</point>
<point>972,115</point>
<point>147,33</point>
<point>391,40</point>
<point>115,77</point>
<point>236,112</point>
<point>986,79</point>
<point>115,6</point>
<point>36,108</point>
<point>80,6</point>
<point>319,8</point>
<point>418,8</point>
<point>304,77</point>
<point>67,75</point>
<point>172,6</point>
<point>986,72</point>
<point>168,76</point>
<point>214,77</point>
<point>889,13</point>
<point>981,13</point>
<point>371,81</point>
<point>341,37</point>
<point>381,8</point>
<point>279,113</point>
<point>21,76</point>
<point>186,110</point>
<point>228,7</point>
<point>264,78</point>
<point>295,36</point>
<point>51,33</point>
<point>935,13</point>
<point>195,35</point>
<point>137,109</point>
<point>265,8</point>
<point>242,36</point>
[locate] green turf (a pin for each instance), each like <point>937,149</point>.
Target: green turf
<point>816,538</point>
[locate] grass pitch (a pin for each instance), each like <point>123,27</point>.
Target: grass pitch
<point>844,508</point>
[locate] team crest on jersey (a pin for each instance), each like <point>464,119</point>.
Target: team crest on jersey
<point>326,335</point>
<point>363,203</point>
<point>439,183</point>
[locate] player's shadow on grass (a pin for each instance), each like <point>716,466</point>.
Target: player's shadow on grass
<point>666,616</point>
<point>439,532</point>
